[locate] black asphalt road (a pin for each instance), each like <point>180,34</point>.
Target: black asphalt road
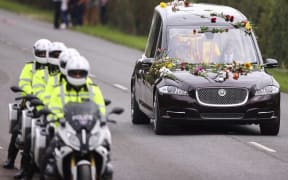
<point>195,153</point>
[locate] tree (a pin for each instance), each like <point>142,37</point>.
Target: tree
<point>278,32</point>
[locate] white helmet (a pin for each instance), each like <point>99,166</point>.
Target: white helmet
<point>40,50</point>
<point>66,56</point>
<point>77,70</point>
<point>54,51</point>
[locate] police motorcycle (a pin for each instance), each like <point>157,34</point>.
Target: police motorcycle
<point>81,142</point>
<point>15,110</point>
<point>20,116</point>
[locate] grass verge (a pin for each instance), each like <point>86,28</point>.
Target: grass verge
<point>111,34</point>
<point>105,32</point>
<point>108,33</point>
<point>26,10</point>
<point>281,75</point>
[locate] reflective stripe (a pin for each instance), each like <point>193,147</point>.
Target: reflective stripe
<point>38,92</point>
<point>55,80</point>
<point>101,105</point>
<point>62,93</point>
<point>55,108</point>
<point>23,86</point>
<point>33,68</point>
<point>38,85</point>
<point>26,80</point>
<point>91,94</point>
<point>46,75</point>
<point>47,97</point>
<point>78,95</point>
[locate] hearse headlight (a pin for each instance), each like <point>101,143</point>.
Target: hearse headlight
<point>172,90</point>
<point>267,90</point>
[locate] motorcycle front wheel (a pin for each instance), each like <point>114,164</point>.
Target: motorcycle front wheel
<point>84,172</point>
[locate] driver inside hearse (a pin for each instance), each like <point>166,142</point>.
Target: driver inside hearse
<point>194,47</point>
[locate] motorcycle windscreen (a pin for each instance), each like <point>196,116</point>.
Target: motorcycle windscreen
<point>82,115</point>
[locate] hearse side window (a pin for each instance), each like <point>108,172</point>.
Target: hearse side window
<point>153,36</point>
<point>159,42</point>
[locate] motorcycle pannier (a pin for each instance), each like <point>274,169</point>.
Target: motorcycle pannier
<point>14,108</point>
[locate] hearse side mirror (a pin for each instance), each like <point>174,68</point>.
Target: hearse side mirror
<point>271,63</point>
<point>147,62</point>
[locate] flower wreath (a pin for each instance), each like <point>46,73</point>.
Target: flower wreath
<point>164,66</point>
<point>228,18</point>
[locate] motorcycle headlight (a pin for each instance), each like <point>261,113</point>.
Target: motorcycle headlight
<point>94,141</point>
<point>172,90</point>
<point>267,90</point>
<point>73,140</point>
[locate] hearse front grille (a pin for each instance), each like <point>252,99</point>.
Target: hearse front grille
<point>222,97</point>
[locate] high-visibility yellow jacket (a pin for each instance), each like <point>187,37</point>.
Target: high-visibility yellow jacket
<point>66,93</point>
<point>53,81</point>
<point>40,79</point>
<point>26,77</point>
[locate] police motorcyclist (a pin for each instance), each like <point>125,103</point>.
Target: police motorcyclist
<point>77,89</point>
<point>43,49</point>
<point>25,83</point>
<point>43,83</point>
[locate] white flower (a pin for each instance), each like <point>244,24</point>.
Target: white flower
<point>164,71</point>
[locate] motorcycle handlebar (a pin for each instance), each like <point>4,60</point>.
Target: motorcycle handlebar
<point>19,98</point>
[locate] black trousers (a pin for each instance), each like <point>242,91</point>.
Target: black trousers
<point>12,149</point>
<point>27,163</point>
<point>57,14</point>
<point>51,145</point>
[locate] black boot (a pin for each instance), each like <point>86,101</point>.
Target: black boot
<point>26,178</point>
<point>8,164</point>
<point>19,174</point>
<point>108,172</point>
<point>12,153</point>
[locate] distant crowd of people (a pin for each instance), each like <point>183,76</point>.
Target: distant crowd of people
<point>69,13</point>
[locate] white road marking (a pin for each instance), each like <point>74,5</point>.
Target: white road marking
<point>120,87</point>
<point>1,148</point>
<point>262,147</point>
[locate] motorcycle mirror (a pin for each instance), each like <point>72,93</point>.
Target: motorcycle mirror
<point>16,89</point>
<point>51,131</point>
<point>29,97</point>
<point>117,110</point>
<point>62,122</point>
<point>107,102</point>
<point>19,98</point>
<point>45,111</point>
<point>102,124</point>
<point>36,102</point>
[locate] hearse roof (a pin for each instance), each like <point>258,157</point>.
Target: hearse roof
<point>198,14</point>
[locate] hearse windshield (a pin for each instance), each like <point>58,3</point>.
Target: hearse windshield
<point>221,48</point>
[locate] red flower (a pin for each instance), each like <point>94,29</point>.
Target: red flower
<point>186,3</point>
<point>198,70</point>
<point>231,18</point>
<point>244,23</point>
<point>213,20</point>
<point>183,65</point>
<point>227,18</point>
<point>236,76</point>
